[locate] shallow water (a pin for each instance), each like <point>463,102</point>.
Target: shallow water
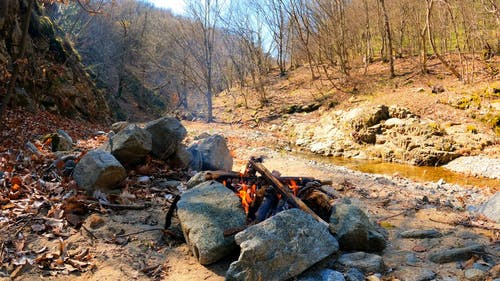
<point>416,173</point>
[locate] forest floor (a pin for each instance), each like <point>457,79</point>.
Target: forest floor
<point>38,241</point>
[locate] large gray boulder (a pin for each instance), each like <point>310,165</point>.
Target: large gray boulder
<point>98,170</point>
<point>130,146</point>
<point>211,153</point>
<point>354,229</point>
<point>205,211</point>
<point>492,208</point>
<point>281,247</point>
<point>166,133</point>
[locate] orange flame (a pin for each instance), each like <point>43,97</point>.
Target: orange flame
<point>294,187</point>
<point>247,196</point>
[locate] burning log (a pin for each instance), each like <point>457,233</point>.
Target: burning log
<point>284,191</point>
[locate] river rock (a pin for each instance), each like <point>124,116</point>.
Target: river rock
<point>130,146</point>
<point>197,179</point>
<point>455,254</point>
<point>354,274</point>
<point>211,153</point>
<point>118,126</point>
<point>166,134</point>
<point>65,135</point>
<point>354,229</point>
<point>420,233</point>
<point>363,261</point>
<point>281,247</point>
<point>322,275</point>
<point>474,274</point>
<point>98,170</point>
<point>492,207</point>
<point>205,211</point>
<point>182,157</point>
<point>415,274</point>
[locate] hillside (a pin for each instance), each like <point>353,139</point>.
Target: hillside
<point>52,77</point>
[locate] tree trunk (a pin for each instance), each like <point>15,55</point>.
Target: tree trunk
<point>368,55</point>
<point>430,4</point>
<point>389,37</point>
<point>18,58</point>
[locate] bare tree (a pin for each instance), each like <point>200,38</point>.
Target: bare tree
<point>389,37</point>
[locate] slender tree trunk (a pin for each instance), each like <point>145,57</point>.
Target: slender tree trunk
<point>17,59</point>
<point>430,4</point>
<point>368,56</point>
<point>389,37</point>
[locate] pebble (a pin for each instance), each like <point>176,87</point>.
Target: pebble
<point>144,179</point>
<point>363,261</point>
<point>474,274</point>
<point>415,274</point>
<point>354,274</point>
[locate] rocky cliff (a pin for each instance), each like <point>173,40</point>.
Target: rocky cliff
<point>52,76</point>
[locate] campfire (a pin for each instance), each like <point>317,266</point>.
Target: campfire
<point>264,193</point>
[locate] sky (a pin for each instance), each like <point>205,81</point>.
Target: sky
<point>177,6</point>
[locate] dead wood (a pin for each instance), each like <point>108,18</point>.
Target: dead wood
<point>170,212</point>
<point>318,201</point>
<point>467,223</point>
<point>283,190</point>
<point>118,206</point>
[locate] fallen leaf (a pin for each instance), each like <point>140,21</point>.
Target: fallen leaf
<point>419,249</point>
<point>386,224</point>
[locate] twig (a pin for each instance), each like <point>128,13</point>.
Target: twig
<point>139,232</point>
<point>89,232</point>
<point>392,216</point>
<point>170,213</point>
<point>125,207</point>
<point>466,224</point>
<point>22,226</point>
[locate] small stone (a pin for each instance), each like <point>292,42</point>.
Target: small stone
<point>354,274</point>
<point>474,274</point>
<point>322,275</point>
<point>98,170</point>
<point>456,254</point>
<point>118,126</point>
<point>415,274</point>
<point>372,278</point>
<point>411,259</point>
<point>144,179</point>
<point>363,261</point>
<point>95,221</point>
<point>420,233</point>
<point>197,179</point>
<point>354,229</point>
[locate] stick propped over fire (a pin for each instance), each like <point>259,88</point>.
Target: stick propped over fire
<point>266,194</point>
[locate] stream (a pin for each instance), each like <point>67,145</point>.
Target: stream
<point>415,173</point>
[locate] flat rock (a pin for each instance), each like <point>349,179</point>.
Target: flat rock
<point>205,211</point>
<point>415,274</point>
<point>281,247</point>
<point>354,229</point>
<point>166,134</point>
<point>322,275</point>
<point>98,170</point>
<point>363,261</point>
<point>420,233</point>
<point>455,254</point>
<point>491,209</point>
<point>130,146</point>
<point>211,153</point>
<point>476,165</point>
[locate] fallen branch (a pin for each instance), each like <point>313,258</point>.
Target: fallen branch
<point>467,224</point>
<point>170,213</point>
<point>117,206</point>
<point>393,216</point>
<point>139,232</point>
<point>283,190</point>
<point>89,232</point>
